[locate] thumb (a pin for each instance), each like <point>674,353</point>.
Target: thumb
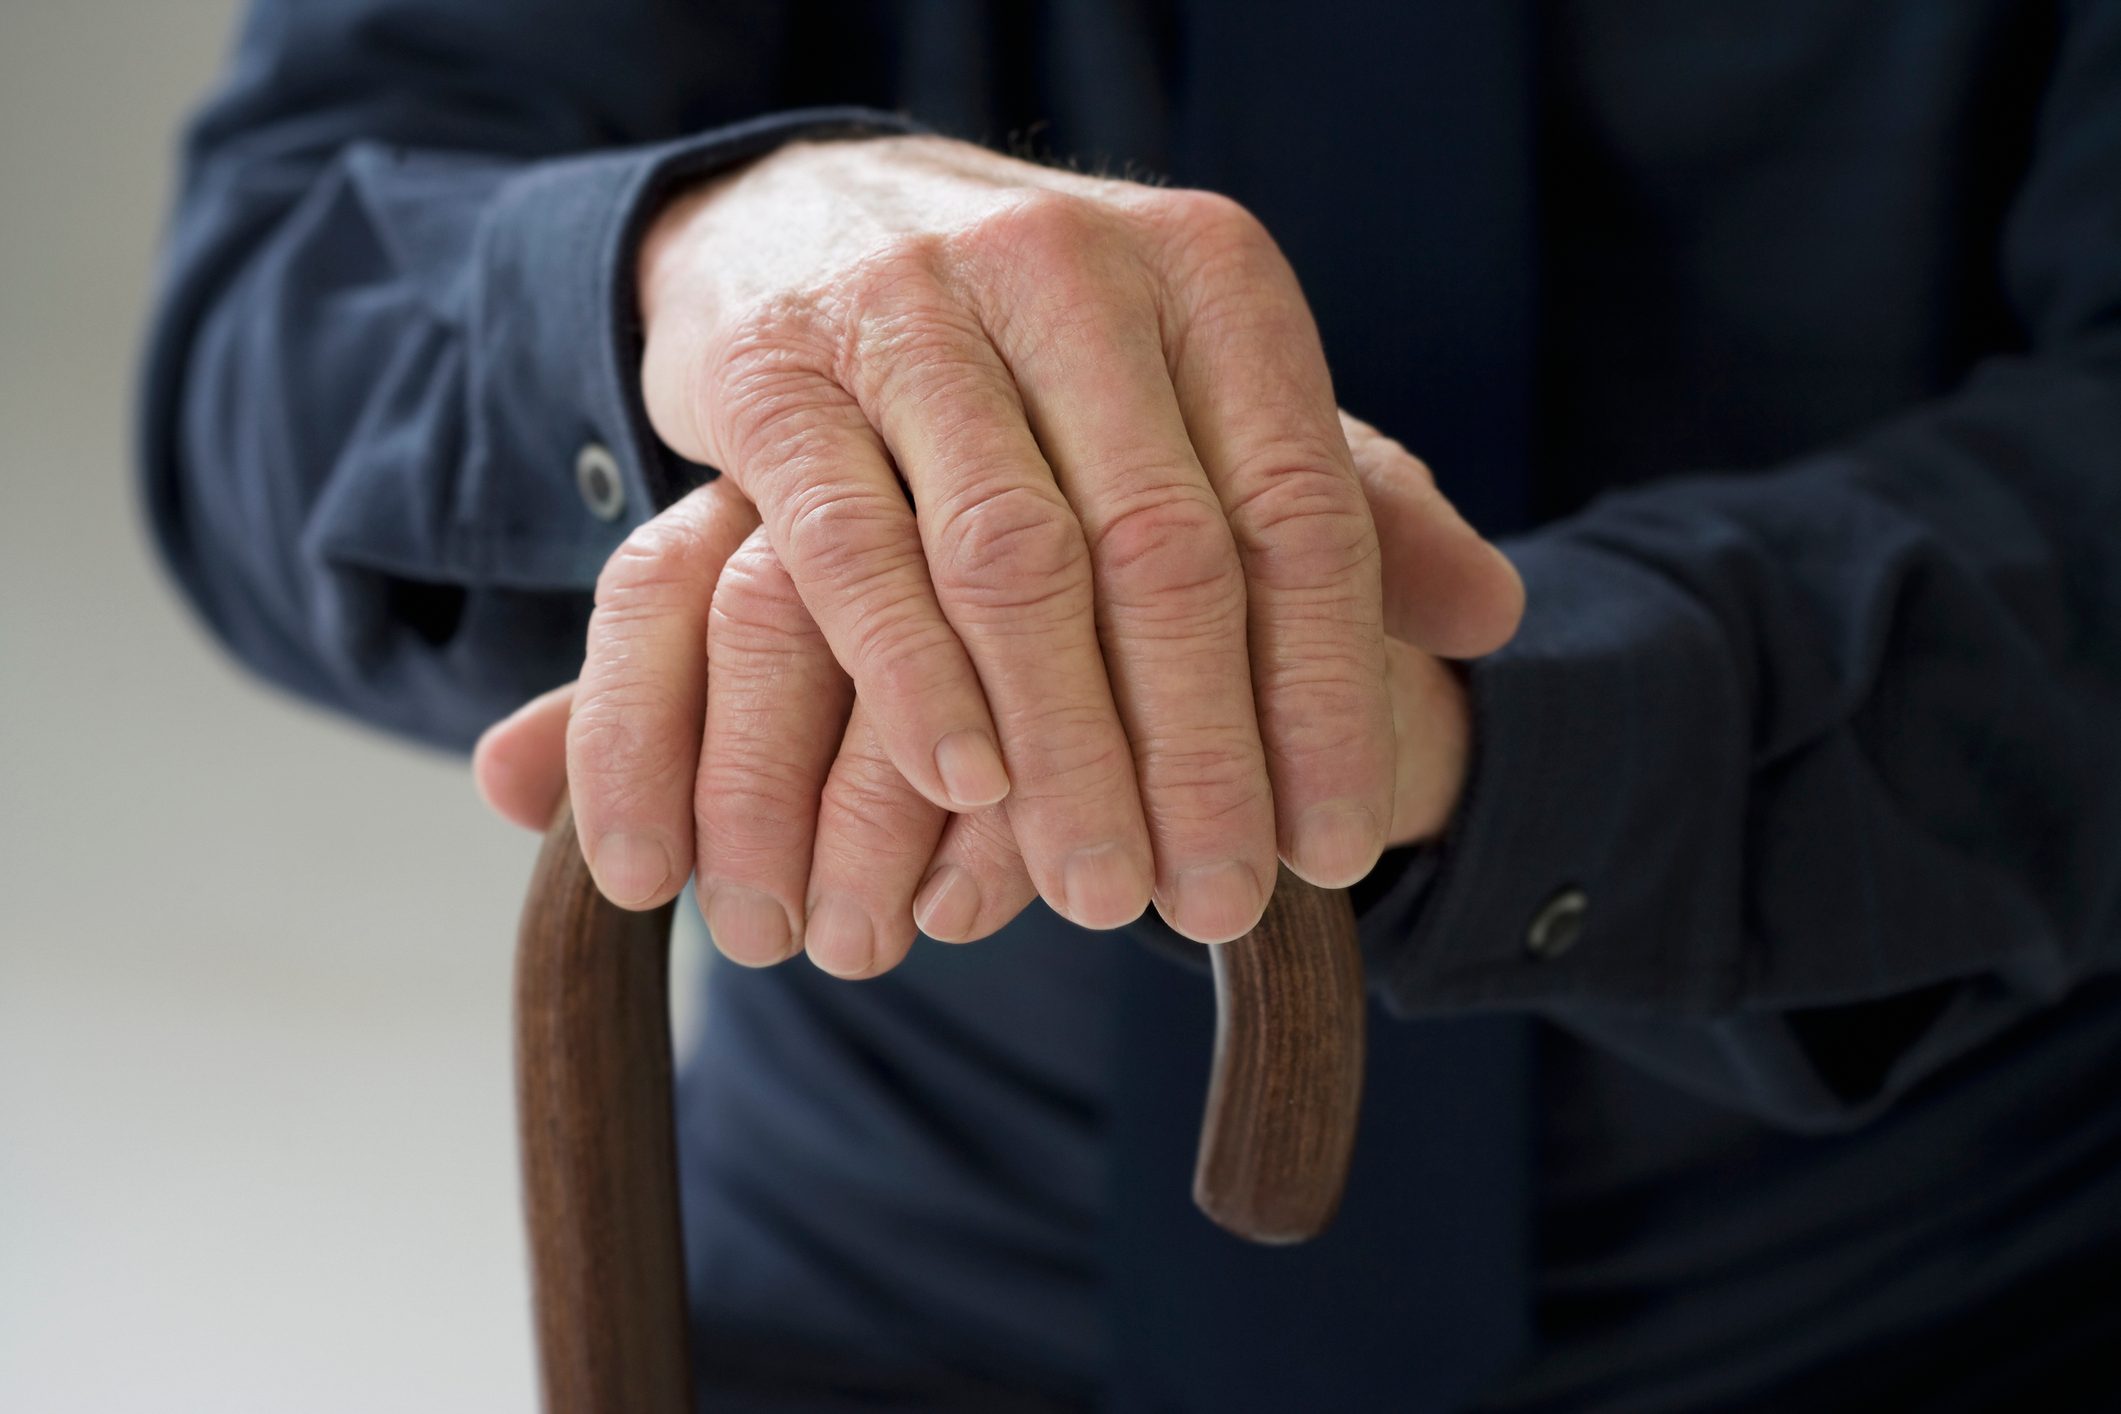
<point>520,763</point>
<point>1447,591</point>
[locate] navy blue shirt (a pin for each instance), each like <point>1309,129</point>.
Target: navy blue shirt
<point>1783,346</point>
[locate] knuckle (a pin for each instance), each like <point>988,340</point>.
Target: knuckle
<point>950,378</point>
<point>898,302</point>
<point>1062,261</point>
<point>1326,695</point>
<point>905,664</point>
<point>1207,778</point>
<point>906,334</point>
<point>621,743</point>
<point>756,602</point>
<point>1324,752</point>
<point>1202,210</point>
<point>1303,523</point>
<point>774,414</point>
<point>905,272</point>
<point>872,813</point>
<point>748,782</point>
<point>1208,231</point>
<point>1170,551</point>
<point>754,575</point>
<point>1326,708</point>
<point>984,843</point>
<point>752,802</point>
<point>1078,759</point>
<point>867,805</point>
<point>661,559</point>
<point>742,848</point>
<point>1044,229</point>
<point>788,327</point>
<point>1016,548</point>
<point>848,540</point>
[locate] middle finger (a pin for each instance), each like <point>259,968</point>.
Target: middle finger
<point>1170,597</point>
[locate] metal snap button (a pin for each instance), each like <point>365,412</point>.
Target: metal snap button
<point>1558,924</point>
<point>596,476</point>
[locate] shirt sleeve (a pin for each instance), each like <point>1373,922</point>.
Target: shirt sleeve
<point>391,420</point>
<point>1796,786</point>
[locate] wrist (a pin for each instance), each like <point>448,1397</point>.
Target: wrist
<point>787,180</point>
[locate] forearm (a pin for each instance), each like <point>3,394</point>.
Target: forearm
<point>1828,749</point>
<point>1836,736</point>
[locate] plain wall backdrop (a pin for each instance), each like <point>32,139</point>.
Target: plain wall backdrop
<point>256,1147</point>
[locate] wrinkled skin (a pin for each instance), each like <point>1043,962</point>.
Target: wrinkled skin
<point>1127,642</point>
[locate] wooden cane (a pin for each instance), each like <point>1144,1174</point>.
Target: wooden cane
<point>600,1189</point>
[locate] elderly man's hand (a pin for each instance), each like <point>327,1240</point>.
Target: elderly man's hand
<point>797,799</point>
<point>1053,461</point>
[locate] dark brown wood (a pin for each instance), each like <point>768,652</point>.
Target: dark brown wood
<point>1285,1089</point>
<point>599,1152</point>
<point>599,1159</point>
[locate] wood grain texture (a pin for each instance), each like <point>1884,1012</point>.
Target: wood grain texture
<point>599,1159</point>
<point>1285,1088</point>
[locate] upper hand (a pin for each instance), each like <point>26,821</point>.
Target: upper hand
<point>1136,588</point>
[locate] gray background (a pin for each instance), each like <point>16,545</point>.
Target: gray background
<point>255,1143</point>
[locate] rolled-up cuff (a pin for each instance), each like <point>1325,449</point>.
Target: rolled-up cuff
<point>1599,834</point>
<point>556,350</point>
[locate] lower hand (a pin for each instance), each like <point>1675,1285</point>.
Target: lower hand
<point>795,799</point>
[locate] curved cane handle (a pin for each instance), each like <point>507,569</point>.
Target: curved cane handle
<point>600,1192</point>
<point>1286,1085</point>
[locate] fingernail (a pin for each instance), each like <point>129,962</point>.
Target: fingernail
<point>971,769</point>
<point>631,869</point>
<point>1336,844</point>
<point>1102,888</point>
<point>748,926</point>
<point>947,906</point>
<point>838,936</point>
<point>1213,903</point>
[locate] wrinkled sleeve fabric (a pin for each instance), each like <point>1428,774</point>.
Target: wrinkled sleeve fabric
<point>395,306</point>
<point>1834,749</point>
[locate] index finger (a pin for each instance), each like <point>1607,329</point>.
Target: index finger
<point>634,733</point>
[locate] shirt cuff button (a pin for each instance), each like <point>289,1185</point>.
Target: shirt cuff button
<point>1557,925</point>
<point>596,476</point>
